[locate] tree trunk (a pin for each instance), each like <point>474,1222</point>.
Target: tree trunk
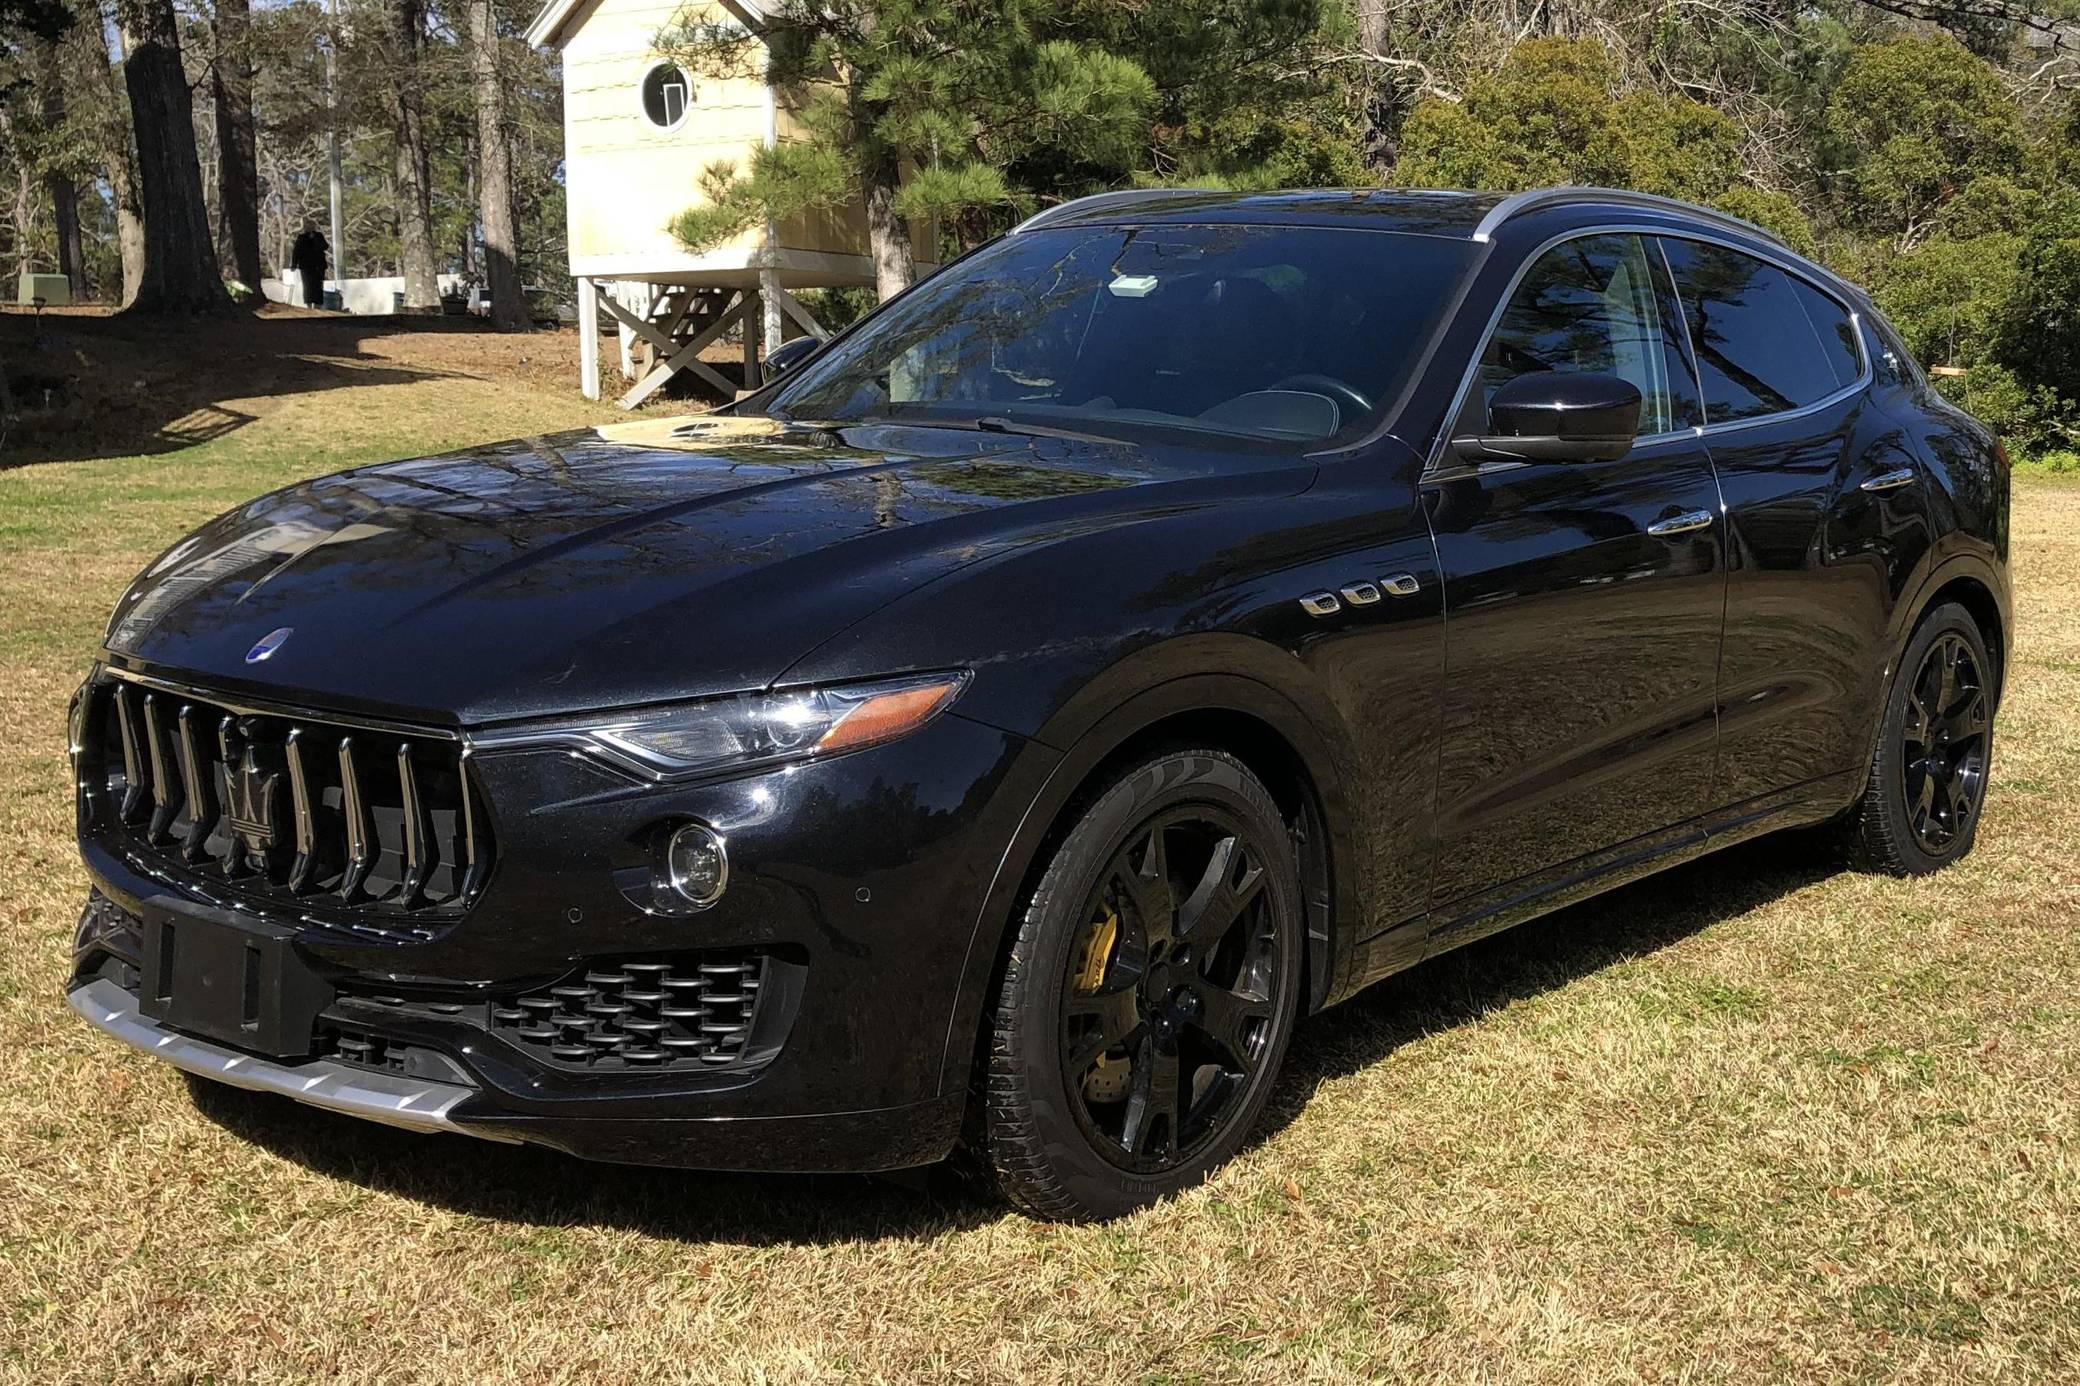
<point>888,236</point>
<point>1380,97</point>
<point>20,251</point>
<point>495,175</point>
<point>466,242</point>
<point>119,159</point>
<point>58,180</point>
<point>72,247</point>
<point>422,293</point>
<point>180,263</point>
<point>122,183</point>
<point>238,173</point>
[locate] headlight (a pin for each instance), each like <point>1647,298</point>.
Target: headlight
<point>694,739</point>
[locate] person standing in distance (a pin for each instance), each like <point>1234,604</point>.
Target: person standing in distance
<point>308,257</point>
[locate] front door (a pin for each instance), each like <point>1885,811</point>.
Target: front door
<point>1583,601</point>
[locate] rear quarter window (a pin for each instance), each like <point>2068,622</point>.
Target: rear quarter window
<point>1835,329</point>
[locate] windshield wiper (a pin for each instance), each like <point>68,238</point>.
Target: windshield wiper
<point>997,423</point>
<point>992,423</point>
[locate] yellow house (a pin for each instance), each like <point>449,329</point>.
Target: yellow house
<point>638,132</point>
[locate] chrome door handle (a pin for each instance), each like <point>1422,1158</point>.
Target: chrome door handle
<point>1681,524</point>
<point>1890,481</point>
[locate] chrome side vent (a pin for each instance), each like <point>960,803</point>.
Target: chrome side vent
<point>373,821</point>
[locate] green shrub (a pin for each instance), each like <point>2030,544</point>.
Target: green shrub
<point>2032,419</point>
<point>1773,211</point>
<point>1951,298</point>
<point>1553,114</point>
<point>2040,334</point>
<point>2056,462</point>
<point>1912,122</point>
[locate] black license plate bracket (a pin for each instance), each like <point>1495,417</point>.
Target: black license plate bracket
<point>242,983</point>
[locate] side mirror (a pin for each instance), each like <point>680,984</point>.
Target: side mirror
<point>1558,416</point>
<point>785,357</point>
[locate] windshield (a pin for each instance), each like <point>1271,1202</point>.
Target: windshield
<point>1270,333</point>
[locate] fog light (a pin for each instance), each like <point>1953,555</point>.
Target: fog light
<point>695,865</point>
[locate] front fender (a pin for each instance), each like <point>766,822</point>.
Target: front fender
<point>1117,706</point>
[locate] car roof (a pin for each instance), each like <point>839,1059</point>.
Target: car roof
<point>1459,215</point>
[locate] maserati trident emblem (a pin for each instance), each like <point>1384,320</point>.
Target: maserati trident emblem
<point>250,780</point>
<point>268,644</point>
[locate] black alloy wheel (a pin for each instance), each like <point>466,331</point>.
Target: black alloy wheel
<point>1944,740</point>
<point>1173,989</point>
<point>1148,994</point>
<point>1928,777</point>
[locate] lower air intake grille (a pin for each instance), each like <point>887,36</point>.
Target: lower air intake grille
<point>108,942</point>
<point>375,827</point>
<point>349,1044</point>
<point>642,1014</point>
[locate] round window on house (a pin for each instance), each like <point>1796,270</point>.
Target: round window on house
<point>666,95</point>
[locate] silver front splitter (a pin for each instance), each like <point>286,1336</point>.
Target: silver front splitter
<point>391,1098</point>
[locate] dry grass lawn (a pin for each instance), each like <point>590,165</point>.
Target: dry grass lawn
<point>1759,1120</point>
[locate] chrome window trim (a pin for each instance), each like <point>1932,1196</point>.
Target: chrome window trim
<point>261,707</point>
<point>1787,261</point>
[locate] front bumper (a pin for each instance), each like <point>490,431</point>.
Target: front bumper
<point>896,1138</point>
<point>859,881</point>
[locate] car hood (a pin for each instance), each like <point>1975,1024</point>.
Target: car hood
<point>626,564</point>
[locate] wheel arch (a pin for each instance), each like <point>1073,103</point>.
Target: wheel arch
<point>1977,599</point>
<point>1262,726</point>
<point>1974,582</point>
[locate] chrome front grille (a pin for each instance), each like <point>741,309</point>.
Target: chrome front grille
<point>370,824</point>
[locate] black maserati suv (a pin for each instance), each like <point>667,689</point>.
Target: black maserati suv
<point>998,732</point>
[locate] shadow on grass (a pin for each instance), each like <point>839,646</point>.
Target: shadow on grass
<point>547,1190</point>
<point>1542,955</point>
<point>82,388</point>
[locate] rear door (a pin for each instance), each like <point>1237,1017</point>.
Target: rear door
<point>1583,599</point>
<point>1825,512</point>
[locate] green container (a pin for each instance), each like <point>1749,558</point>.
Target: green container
<point>53,289</point>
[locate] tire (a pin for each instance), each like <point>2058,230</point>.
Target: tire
<point>1122,983</point>
<point>1920,806</point>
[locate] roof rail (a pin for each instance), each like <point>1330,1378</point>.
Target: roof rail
<point>1123,198</point>
<point>1517,203</point>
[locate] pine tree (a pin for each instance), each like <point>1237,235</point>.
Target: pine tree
<point>954,91</point>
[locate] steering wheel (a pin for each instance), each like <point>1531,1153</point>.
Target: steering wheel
<point>1349,403</point>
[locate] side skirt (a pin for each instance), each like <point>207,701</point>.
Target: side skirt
<point>1527,897</point>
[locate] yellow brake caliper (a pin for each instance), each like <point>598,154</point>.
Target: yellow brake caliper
<point>1107,1079</point>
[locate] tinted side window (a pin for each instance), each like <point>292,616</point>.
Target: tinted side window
<point>1891,363</point>
<point>1592,305</point>
<point>1837,332</point>
<point>1758,350</point>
